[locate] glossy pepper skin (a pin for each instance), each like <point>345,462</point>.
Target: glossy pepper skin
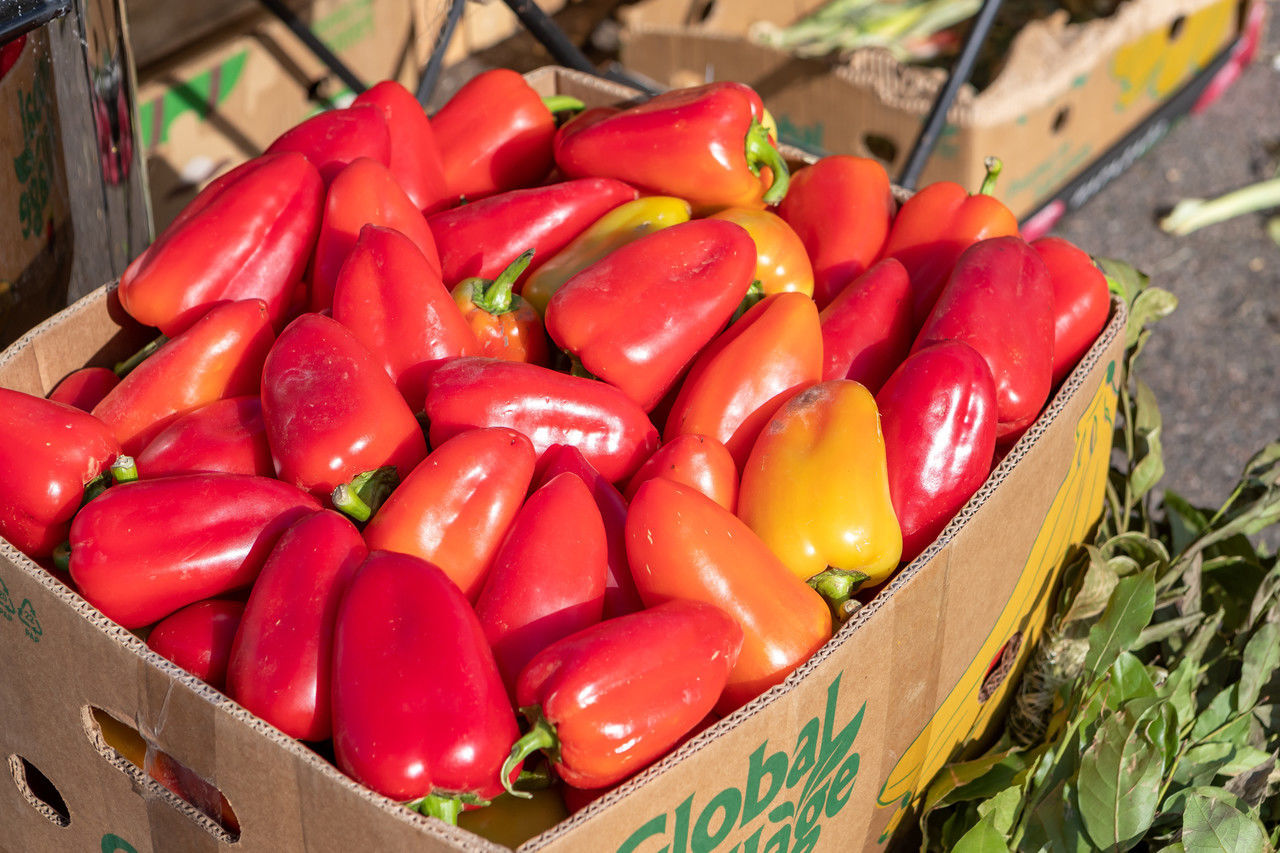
<point>613,698</point>
<point>226,435</point>
<point>698,461</point>
<point>549,407</point>
<point>867,330</point>
<point>638,317</point>
<point>840,207</point>
<point>395,304</point>
<point>414,155</point>
<point>624,224</point>
<point>331,411</point>
<point>85,388</point>
<point>333,138</point>
<point>248,235</point>
<point>782,263</point>
<point>280,664</point>
<point>51,451</point>
<point>938,417</point>
<point>455,508</point>
<point>743,376</point>
<point>999,300</point>
<point>363,193</point>
<point>418,705</point>
<point>704,144</point>
<point>815,489</point>
<point>198,638</point>
<point>935,226</point>
<point>1081,301</point>
<point>682,544</point>
<point>221,355</point>
<point>620,596</point>
<point>506,326</point>
<point>141,550</point>
<point>494,135</point>
<point>482,238</point>
<point>547,579</point>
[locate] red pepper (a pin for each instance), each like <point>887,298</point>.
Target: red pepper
<point>612,432</point>
<point>704,144</point>
<point>395,304</point>
<point>248,235</point>
<point>694,460</point>
<point>85,388</point>
<point>454,509</point>
<point>611,699</point>
<point>141,550</point>
<point>482,238</point>
<point>1081,301</point>
<point>415,160</point>
<point>782,262</point>
<point>51,451</point>
<point>505,324</point>
<point>999,300</point>
<point>748,372</point>
<point>547,579</point>
<point>331,411</point>
<point>638,317</point>
<point>620,596</point>
<point>935,226</point>
<point>363,193</point>
<point>495,134</point>
<point>225,435</point>
<point>281,661</point>
<point>333,138</point>
<point>221,355</point>
<point>841,207</point>
<point>868,328</point>
<point>198,638</point>
<point>938,419</point>
<point>682,544</point>
<point>419,710</point>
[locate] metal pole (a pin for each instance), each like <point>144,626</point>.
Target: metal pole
<point>308,38</point>
<point>431,74</point>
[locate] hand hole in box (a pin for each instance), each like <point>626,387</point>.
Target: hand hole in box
<point>700,12</point>
<point>1000,667</point>
<point>880,147</point>
<point>1175,29</point>
<point>126,749</point>
<point>1060,119</point>
<point>39,791</point>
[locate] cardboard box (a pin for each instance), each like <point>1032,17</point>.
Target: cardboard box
<point>227,99</point>
<point>829,760</point>
<point>1067,93</point>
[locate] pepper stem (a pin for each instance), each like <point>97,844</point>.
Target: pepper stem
<point>837,586</point>
<point>95,487</point>
<point>62,557</point>
<point>994,166</point>
<point>755,293</point>
<point>562,104</point>
<point>762,152</point>
<point>124,469</point>
<point>541,735</point>
<point>361,497</point>
<point>123,368</point>
<point>497,296</point>
<point>445,808</point>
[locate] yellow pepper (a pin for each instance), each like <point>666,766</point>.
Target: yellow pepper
<point>617,228</point>
<point>815,488</point>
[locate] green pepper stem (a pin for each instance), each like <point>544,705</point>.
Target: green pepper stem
<point>837,586</point>
<point>577,368</point>
<point>563,104</point>
<point>445,808</point>
<point>62,557</point>
<point>755,293</point>
<point>361,497</point>
<point>95,487</point>
<point>123,368</point>
<point>541,735</point>
<point>762,152</point>
<point>124,469</point>
<point>497,296</point>
<point>994,166</point>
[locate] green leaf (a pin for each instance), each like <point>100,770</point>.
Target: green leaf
<point>983,837</point>
<point>1261,658</point>
<point>980,778</point>
<point>1096,586</point>
<point>1002,809</point>
<point>1127,679</point>
<point>1216,714</point>
<point>1054,824</point>
<point>1127,613</point>
<point>1147,427</point>
<point>1186,523</point>
<point>1212,822</point>
<point>1120,776</point>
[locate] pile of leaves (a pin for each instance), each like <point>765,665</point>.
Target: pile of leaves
<point>1149,715</point>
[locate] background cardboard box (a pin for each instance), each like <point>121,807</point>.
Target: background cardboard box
<point>1066,94</point>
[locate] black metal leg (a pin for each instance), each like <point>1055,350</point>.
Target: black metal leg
<point>317,47</point>
<point>431,74</point>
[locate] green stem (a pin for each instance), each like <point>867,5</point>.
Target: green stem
<point>755,293</point>
<point>95,487</point>
<point>994,167</point>
<point>123,368</point>
<point>124,469</point>
<point>576,368</point>
<point>837,586</point>
<point>562,104</point>
<point>762,152</point>
<point>497,296</point>
<point>1192,214</point>
<point>62,557</point>
<point>361,497</point>
<point>446,809</point>
<point>541,735</point>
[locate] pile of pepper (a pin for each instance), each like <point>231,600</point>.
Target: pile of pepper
<point>608,423</point>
